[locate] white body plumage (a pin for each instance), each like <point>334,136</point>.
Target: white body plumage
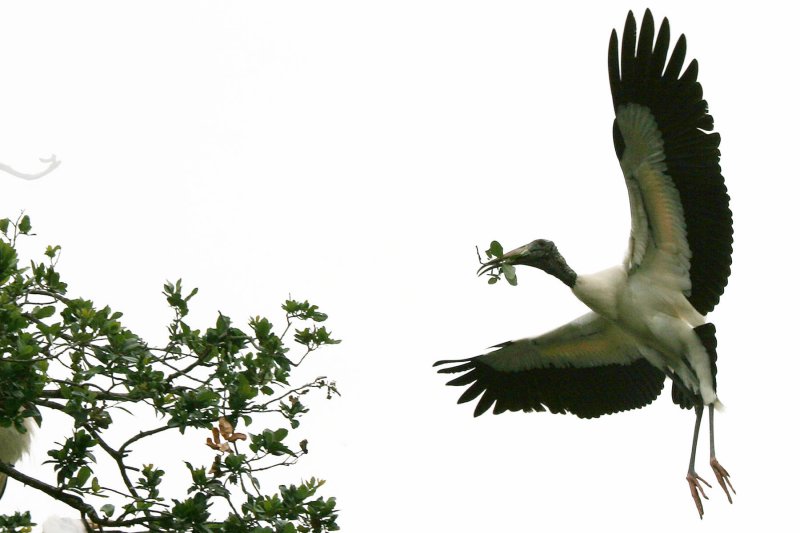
<point>650,306</point>
<point>13,445</point>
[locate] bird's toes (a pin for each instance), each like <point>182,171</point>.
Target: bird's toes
<point>723,478</point>
<point>697,490</point>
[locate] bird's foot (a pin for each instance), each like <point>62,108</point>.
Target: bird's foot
<point>697,490</point>
<point>723,478</point>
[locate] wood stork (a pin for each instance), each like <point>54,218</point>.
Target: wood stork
<point>647,318</point>
<point>13,445</point>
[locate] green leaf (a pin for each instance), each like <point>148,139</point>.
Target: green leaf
<point>223,323</point>
<point>510,273</point>
<point>107,509</point>
<point>492,281</point>
<point>24,225</point>
<point>8,261</point>
<point>83,475</point>
<point>495,249</point>
<point>43,312</point>
<point>4,225</point>
<point>52,251</point>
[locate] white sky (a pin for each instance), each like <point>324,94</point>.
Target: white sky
<point>354,153</point>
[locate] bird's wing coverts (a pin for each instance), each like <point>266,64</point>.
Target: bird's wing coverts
<point>679,202</point>
<point>588,367</point>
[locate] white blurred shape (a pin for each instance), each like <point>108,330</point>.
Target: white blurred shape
<point>55,524</point>
<point>52,164</point>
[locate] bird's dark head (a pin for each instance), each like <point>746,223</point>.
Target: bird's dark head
<point>541,254</point>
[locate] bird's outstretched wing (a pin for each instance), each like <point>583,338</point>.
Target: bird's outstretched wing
<point>588,367</point>
<point>679,203</point>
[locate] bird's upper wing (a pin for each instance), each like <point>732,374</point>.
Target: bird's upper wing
<point>678,199</point>
<point>588,367</point>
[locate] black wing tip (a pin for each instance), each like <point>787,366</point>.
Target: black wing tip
<point>587,392</point>
<point>501,344</point>
<point>641,51</point>
<point>449,361</point>
<point>648,22</point>
<point>647,18</point>
<point>690,74</point>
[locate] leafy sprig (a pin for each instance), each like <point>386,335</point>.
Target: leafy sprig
<point>496,270</point>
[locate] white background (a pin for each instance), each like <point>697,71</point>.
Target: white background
<point>354,153</point>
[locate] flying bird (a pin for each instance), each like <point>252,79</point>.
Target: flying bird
<point>648,316</point>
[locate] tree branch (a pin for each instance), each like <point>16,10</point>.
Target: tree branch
<point>76,502</point>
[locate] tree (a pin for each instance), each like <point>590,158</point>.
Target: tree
<point>66,354</point>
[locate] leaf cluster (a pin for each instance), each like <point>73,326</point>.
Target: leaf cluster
<point>17,523</point>
<point>66,354</point>
<point>495,251</point>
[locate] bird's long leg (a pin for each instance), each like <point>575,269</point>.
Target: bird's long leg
<point>722,475</point>
<point>691,477</point>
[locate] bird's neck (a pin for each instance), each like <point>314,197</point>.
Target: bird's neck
<point>599,291</point>
<point>557,266</point>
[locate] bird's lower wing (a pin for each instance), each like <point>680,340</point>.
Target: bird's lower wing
<point>588,367</point>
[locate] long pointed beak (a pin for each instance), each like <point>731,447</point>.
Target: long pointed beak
<point>486,267</point>
<point>508,258</point>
